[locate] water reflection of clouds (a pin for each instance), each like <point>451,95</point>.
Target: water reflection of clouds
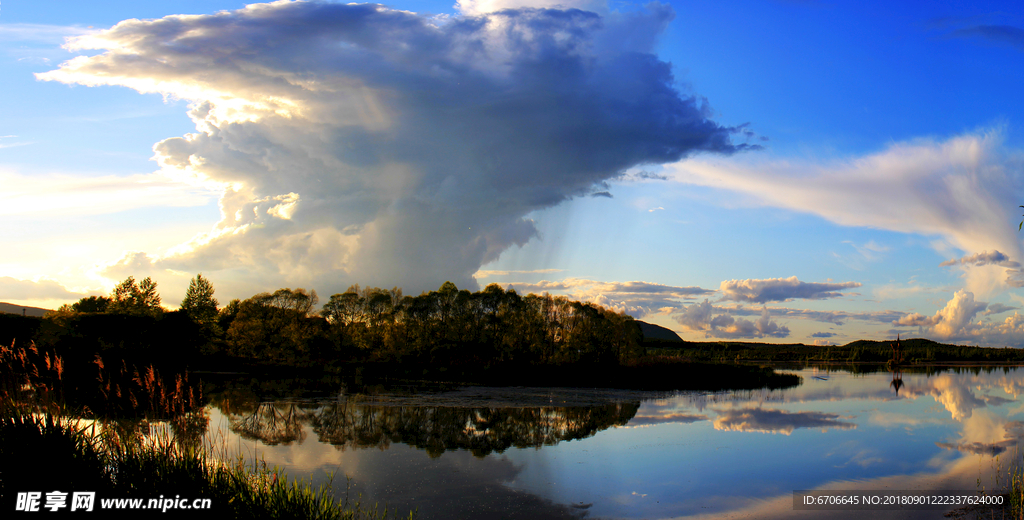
<point>1012,435</point>
<point>995,400</point>
<point>777,421</point>
<point>649,420</point>
<point>962,410</point>
<point>455,486</point>
<point>953,392</point>
<point>892,419</point>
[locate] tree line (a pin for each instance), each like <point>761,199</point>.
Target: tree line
<point>448,326</point>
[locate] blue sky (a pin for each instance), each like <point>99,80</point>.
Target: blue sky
<point>785,171</point>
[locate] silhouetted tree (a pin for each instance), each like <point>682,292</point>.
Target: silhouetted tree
<point>199,303</point>
<point>135,299</point>
<point>91,304</point>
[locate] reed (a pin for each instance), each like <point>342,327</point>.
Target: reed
<point>118,454</point>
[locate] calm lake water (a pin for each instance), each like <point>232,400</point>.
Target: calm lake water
<point>567,453</point>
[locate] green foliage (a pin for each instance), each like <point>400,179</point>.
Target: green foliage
<point>199,303</point>
<point>91,304</point>
<point>136,299</point>
<point>456,327</point>
<point>277,327</point>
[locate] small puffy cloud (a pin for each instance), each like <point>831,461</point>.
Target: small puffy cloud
<point>777,421</point>
<point>1014,277</point>
<point>700,317</point>
<point>823,335</point>
<point>998,308</point>
<point>636,298</point>
<point>983,258</point>
<point>13,289</point>
<point>718,321</point>
<point>780,289</point>
<point>357,143</point>
<point>696,316</point>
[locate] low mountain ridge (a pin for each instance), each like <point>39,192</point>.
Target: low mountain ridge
<point>22,310</point>
<point>654,332</point>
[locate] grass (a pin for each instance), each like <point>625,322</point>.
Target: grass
<point>120,457</point>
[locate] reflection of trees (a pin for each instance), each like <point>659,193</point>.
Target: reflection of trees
<point>480,430</point>
<point>273,423</point>
<point>189,428</point>
<point>897,380</point>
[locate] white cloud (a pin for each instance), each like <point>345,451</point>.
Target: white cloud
<point>15,290</point>
<point>636,298</point>
<point>699,317</point>
<point>962,189</point>
<point>364,144</point>
<point>954,320</point>
<point>477,7</point>
<point>781,289</point>
<point>66,195</point>
<point>40,33</point>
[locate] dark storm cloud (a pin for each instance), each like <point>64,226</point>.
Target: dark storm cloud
<point>361,143</point>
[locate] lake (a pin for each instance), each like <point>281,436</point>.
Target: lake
<point>478,452</point>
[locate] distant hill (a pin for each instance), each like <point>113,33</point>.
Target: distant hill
<point>658,333</point>
<point>10,308</point>
<point>906,343</point>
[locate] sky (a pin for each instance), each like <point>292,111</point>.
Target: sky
<point>779,170</point>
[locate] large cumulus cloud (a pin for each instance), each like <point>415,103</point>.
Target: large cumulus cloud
<point>359,143</point>
<point>959,321</point>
